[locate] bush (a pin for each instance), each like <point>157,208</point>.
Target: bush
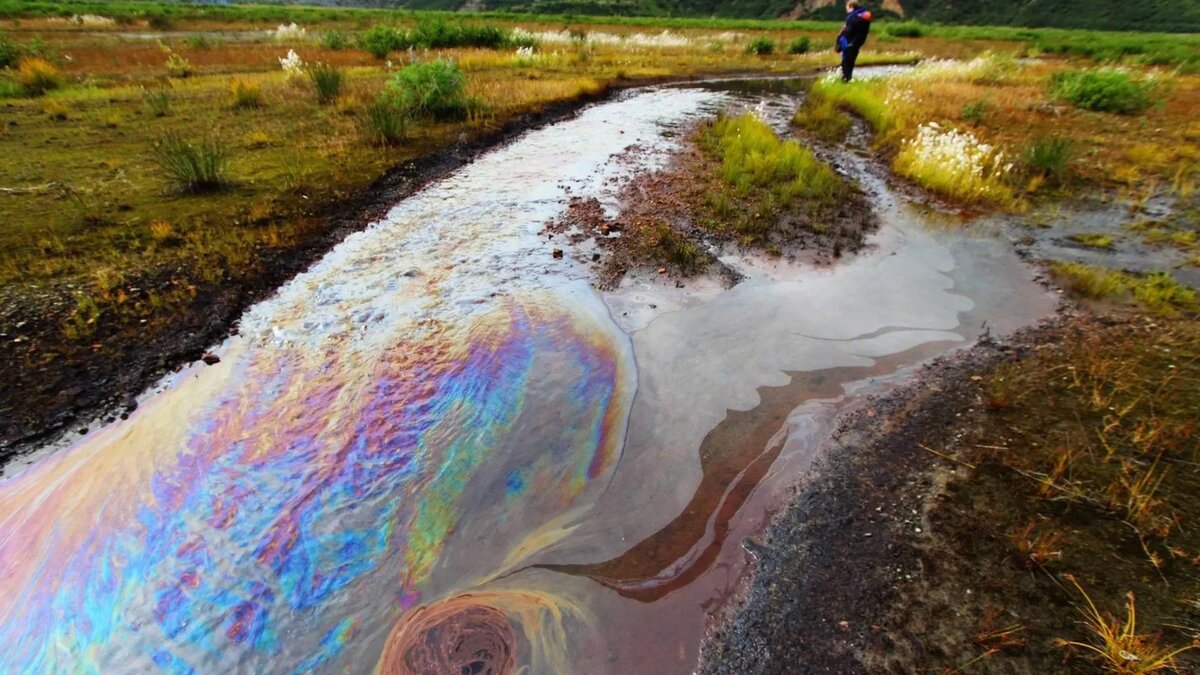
<point>335,40</point>
<point>380,40</point>
<point>327,80</point>
<point>385,121</point>
<point>761,45</point>
<point>198,41</point>
<point>10,52</point>
<point>38,76</point>
<point>434,89</point>
<point>1103,90</point>
<point>800,45</point>
<point>245,94</point>
<point>1048,156</point>
<point>194,167</point>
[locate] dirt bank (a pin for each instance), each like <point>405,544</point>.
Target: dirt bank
<point>922,544</point>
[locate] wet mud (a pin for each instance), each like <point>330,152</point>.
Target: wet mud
<point>831,568</point>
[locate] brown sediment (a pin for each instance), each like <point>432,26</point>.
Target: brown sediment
<point>734,458</point>
<point>456,635</point>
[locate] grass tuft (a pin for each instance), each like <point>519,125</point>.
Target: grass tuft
<point>327,81</point>
<point>1048,156</point>
<point>194,167</point>
<point>10,52</point>
<point>245,94</point>
<point>800,45</point>
<point>760,46</point>
<point>38,76</point>
<point>1158,293</point>
<point>433,89</point>
<point>1116,645</point>
<point>385,121</point>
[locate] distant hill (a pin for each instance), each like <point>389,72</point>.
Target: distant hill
<point>1151,16</point>
<point>1167,16</point>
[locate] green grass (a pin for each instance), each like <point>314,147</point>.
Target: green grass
<point>327,81</point>
<point>1157,292</point>
<point>385,122</point>
<point>1104,90</point>
<point>821,116</point>
<point>1093,239</point>
<point>974,111</point>
<point>1048,156</point>
<point>800,45</point>
<point>433,89</point>
<point>763,174</point>
<point>761,45</point>
<point>193,166</point>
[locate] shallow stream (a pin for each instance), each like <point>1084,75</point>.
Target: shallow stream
<point>440,448</point>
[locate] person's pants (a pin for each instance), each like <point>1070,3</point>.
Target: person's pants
<point>849,56</point>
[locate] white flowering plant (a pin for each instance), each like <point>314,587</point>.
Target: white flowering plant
<point>957,164</point>
<point>293,67</point>
<point>286,32</point>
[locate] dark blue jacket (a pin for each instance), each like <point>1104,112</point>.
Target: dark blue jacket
<point>854,33</point>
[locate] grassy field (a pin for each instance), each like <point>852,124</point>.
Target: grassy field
<point>998,131</point>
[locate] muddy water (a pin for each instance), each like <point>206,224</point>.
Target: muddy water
<point>439,449</point>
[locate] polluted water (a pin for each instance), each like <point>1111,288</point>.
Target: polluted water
<point>441,449</point>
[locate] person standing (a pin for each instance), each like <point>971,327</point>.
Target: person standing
<point>853,36</point>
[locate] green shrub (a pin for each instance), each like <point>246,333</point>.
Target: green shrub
<point>907,29</point>
<point>38,76</point>
<point>194,167</point>
<point>198,41</point>
<point>385,121</point>
<point>800,45</point>
<point>1104,90</point>
<point>434,89</point>
<point>335,40</point>
<point>1048,156</point>
<point>10,52</point>
<point>761,46</point>
<point>974,111</point>
<point>158,101</point>
<point>327,80</point>
<point>380,40</point>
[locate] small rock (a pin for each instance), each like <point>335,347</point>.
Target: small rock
<point>557,253</point>
<point>210,359</point>
<point>595,257</point>
<point>662,270</point>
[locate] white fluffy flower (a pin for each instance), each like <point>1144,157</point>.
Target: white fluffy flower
<point>292,66</point>
<point>290,31</point>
